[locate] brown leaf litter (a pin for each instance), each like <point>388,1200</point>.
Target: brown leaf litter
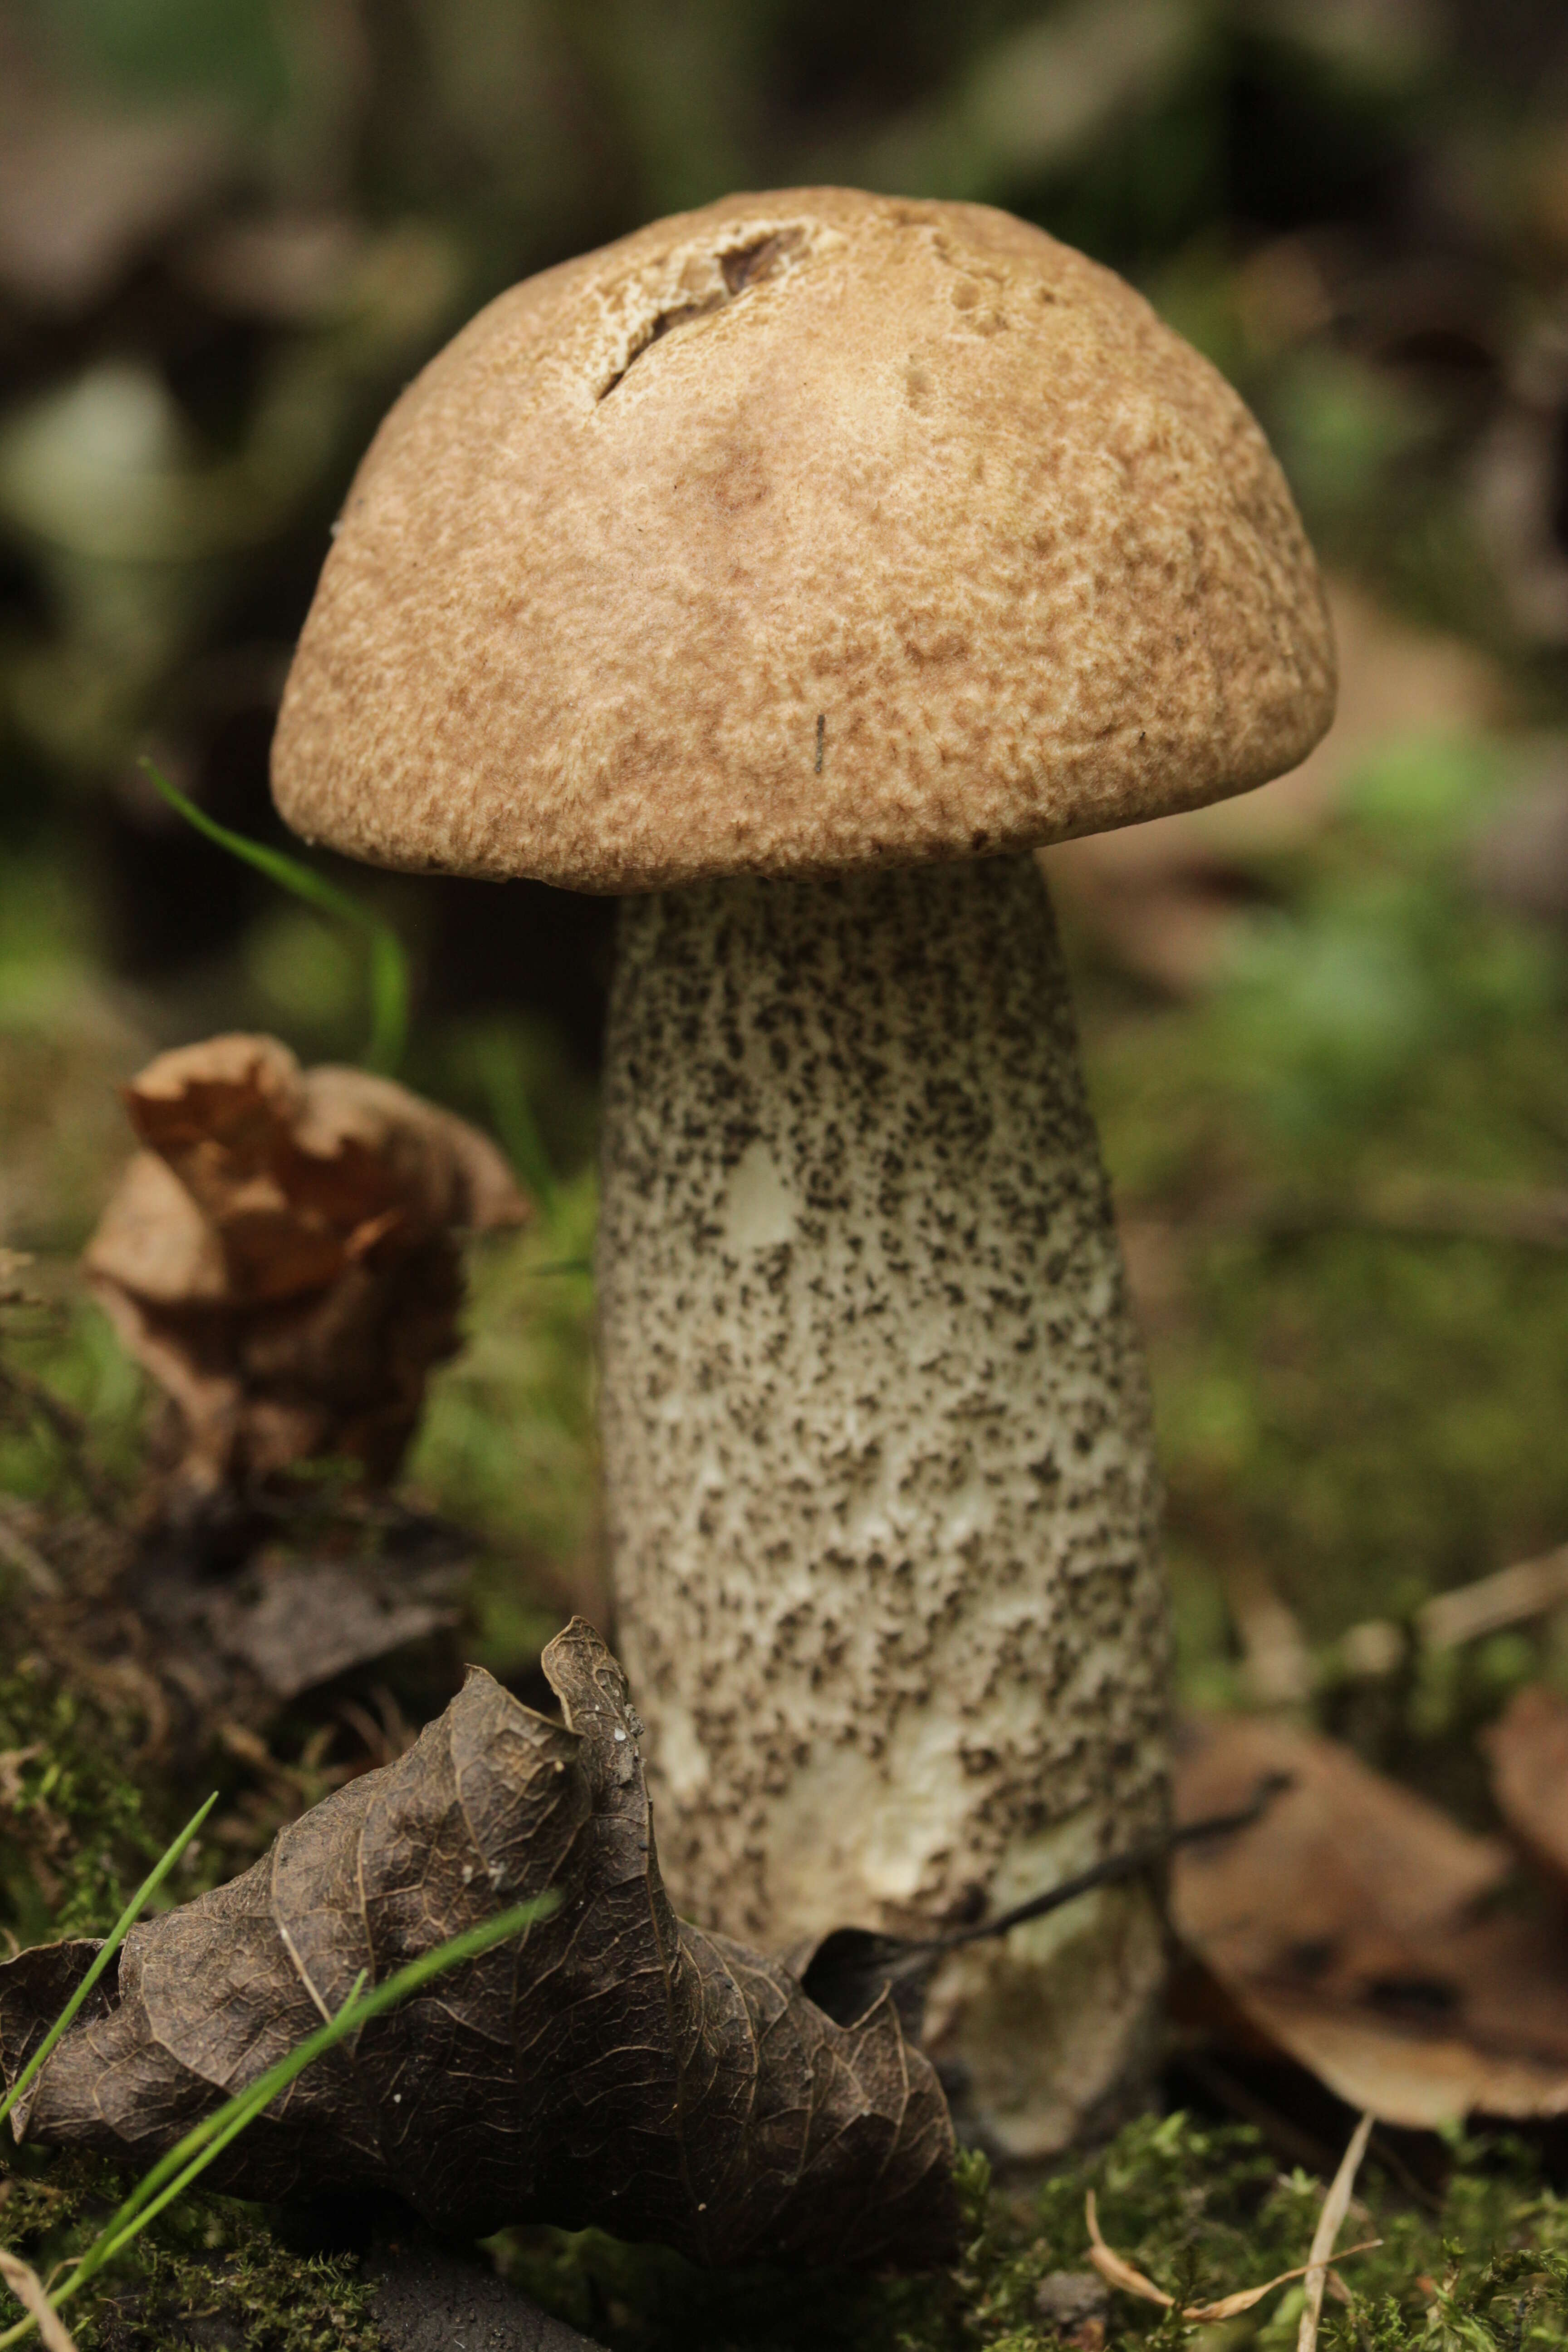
<point>282,1256</point>
<point>191,1635</point>
<point>1528,1751</point>
<point>1359,1931</point>
<point>614,2067</point>
<point>287,1623</point>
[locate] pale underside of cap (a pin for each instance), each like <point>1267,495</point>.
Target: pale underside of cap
<point>811,530</point>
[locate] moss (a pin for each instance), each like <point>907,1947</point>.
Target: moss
<point>1202,2210</point>
<point>210,2270</point>
<point>73,1831</point>
<point>244,2287</point>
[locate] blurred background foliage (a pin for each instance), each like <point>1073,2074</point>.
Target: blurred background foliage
<point>1326,1029</point>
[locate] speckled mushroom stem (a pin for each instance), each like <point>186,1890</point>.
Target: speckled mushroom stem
<point>881,1494</point>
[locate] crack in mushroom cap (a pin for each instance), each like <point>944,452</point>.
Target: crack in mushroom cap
<point>810,530</point>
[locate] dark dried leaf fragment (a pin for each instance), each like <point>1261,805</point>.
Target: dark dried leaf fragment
<point>617,2066</point>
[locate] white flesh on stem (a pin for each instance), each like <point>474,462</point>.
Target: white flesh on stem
<point>880,1485</point>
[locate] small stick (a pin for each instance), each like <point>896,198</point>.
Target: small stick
<point>1331,2220</point>
<point>1528,1589</point>
<point>1507,1596</point>
<point>856,1965</point>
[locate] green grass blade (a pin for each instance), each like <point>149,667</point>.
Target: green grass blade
<point>388,998</point>
<point>174,2172</point>
<point>110,1945</point>
<point>171,2178</point>
<point>388,961</point>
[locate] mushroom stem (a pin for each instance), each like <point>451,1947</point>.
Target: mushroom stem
<point>881,1492</point>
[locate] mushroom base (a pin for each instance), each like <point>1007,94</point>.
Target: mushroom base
<point>880,1485</point>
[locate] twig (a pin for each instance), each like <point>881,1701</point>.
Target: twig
<point>1528,1589</point>
<point>852,1966</point>
<point>1330,2221</point>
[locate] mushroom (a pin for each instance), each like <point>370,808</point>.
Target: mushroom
<point>792,567</point>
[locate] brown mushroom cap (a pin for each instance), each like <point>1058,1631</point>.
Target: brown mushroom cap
<point>810,530</point>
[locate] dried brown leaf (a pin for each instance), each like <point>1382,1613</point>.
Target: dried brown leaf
<point>288,1623</point>
<point>1350,1928</point>
<point>1528,1751</point>
<point>281,1256</point>
<point>617,2067</point>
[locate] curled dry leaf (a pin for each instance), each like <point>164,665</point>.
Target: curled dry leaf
<point>1355,1928</point>
<point>616,2066</point>
<point>1509,1596</point>
<point>282,1255</point>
